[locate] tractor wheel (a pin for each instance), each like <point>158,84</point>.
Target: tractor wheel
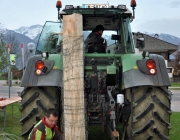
<point>35,102</point>
<point>150,113</point>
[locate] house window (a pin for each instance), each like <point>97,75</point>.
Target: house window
<point>171,56</point>
<point>169,70</point>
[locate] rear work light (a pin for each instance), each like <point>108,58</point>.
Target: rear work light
<point>151,65</point>
<point>39,67</point>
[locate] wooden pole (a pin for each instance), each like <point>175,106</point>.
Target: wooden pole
<point>73,78</point>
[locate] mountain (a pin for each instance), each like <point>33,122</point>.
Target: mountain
<point>24,34</point>
<point>31,31</point>
<point>166,37</point>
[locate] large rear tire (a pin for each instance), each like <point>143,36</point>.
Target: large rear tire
<point>35,102</point>
<point>150,113</point>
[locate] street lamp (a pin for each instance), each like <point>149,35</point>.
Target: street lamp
<point>31,47</point>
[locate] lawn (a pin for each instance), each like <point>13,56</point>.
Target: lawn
<point>175,130</point>
<point>12,123</point>
<point>13,126</point>
<point>175,84</point>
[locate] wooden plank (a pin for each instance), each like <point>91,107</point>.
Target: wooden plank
<point>73,77</point>
<point>6,102</point>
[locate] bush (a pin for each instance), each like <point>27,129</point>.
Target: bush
<point>15,77</point>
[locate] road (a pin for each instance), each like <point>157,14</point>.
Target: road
<point>4,92</point>
<point>175,103</point>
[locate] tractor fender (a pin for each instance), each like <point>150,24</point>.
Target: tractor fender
<point>140,76</point>
<point>53,77</point>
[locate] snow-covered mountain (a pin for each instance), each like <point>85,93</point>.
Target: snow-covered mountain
<point>31,31</point>
<point>166,37</point>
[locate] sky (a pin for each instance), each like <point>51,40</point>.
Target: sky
<point>153,16</point>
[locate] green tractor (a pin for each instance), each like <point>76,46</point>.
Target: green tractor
<point>120,86</point>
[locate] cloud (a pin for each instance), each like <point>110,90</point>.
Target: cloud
<point>164,25</point>
<point>175,4</point>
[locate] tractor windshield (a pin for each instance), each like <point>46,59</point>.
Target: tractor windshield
<point>117,39</point>
<point>50,39</point>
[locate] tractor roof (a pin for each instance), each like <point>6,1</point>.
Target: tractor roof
<point>97,11</point>
<point>98,14</point>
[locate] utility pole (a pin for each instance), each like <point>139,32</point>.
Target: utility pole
<point>9,70</point>
<point>22,49</point>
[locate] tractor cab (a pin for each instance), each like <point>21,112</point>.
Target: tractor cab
<point>115,20</point>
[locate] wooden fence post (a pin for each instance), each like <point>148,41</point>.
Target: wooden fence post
<point>73,78</point>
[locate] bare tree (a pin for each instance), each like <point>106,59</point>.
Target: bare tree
<point>11,39</point>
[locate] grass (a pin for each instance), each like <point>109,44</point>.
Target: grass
<point>95,133</point>
<point>175,85</point>
<point>3,78</point>
<point>12,122</point>
<point>175,130</point>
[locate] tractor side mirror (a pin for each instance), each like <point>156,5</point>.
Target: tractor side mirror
<point>115,37</point>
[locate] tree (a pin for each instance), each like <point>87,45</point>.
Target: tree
<point>50,43</point>
<point>3,53</point>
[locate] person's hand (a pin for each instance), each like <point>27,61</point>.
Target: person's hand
<point>105,43</point>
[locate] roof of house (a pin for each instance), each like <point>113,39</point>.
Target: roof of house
<point>153,44</point>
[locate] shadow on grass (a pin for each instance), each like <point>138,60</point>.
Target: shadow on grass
<point>95,133</point>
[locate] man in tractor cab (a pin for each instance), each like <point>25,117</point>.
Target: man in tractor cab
<point>94,42</point>
<point>46,129</point>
